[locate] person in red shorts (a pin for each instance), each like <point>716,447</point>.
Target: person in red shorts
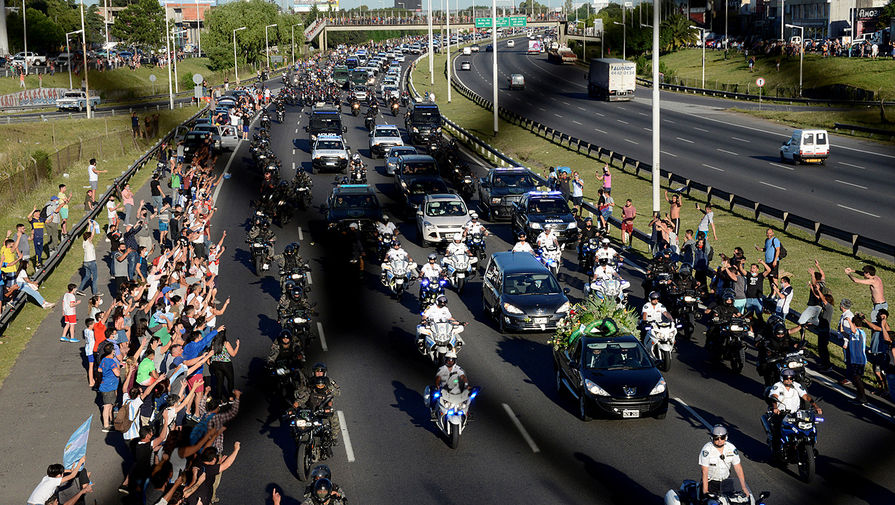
<point>69,302</point>
<point>629,213</point>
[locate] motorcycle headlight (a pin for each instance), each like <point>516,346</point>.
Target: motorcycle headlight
<point>689,299</point>
<point>659,388</point>
<point>736,327</point>
<point>572,226</point>
<point>564,307</point>
<point>282,371</point>
<point>535,226</point>
<point>437,129</point>
<point>391,163</point>
<point>299,320</point>
<point>302,423</point>
<point>296,276</point>
<point>594,389</point>
<point>416,130</point>
<point>512,309</point>
<point>793,364</point>
<point>495,201</point>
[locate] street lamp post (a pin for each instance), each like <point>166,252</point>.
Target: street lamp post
<point>801,30</point>
<point>174,33</point>
<point>656,111</point>
<point>235,64</point>
<point>266,44</point>
<point>431,49</point>
<point>494,64</point>
<point>624,35</point>
<point>702,38</point>
<point>68,51</point>
<point>293,43</point>
<point>25,36</point>
<point>448,46</point>
<point>168,56</point>
<point>198,30</point>
<point>782,18</point>
<point>86,73</point>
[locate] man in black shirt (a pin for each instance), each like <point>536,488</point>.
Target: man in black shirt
<point>755,293</point>
<point>155,186</point>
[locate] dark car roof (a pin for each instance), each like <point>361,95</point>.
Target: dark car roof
<point>411,158</point>
<point>353,189</point>
<point>518,262</point>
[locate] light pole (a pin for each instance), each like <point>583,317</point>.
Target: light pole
<point>25,37</point>
<point>782,18</point>
<point>448,46</point>
<point>174,45</point>
<point>235,64</point>
<point>86,73</point>
<point>168,56</point>
<point>656,110</point>
<point>106,16</point>
<point>198,30</point>
<point>266,44</point>
<point>624,34</point>
<point>68,50</point>
<point>293,43</point>
<point>494,65</point>
<point>801,30</point>
<point>702,38</point>
<point>431,49</point>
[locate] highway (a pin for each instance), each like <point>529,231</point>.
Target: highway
<point>524,444</point>
<point>701,141</point>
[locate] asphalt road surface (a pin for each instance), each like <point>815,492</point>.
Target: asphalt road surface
<point>523,444</point>
<point>701,141</point>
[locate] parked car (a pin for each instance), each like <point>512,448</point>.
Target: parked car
<point>76,100</point>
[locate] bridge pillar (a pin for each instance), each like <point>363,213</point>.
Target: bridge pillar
<point>323,34</point>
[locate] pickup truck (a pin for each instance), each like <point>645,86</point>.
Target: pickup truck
<point>32,59</point>
<point>76,100</point>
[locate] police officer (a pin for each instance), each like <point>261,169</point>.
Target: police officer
<point>431,270</point>
<point>548,239</point>
<point>660,264</point>
<point>396,253</point>
<point>284,351</point>
<point>473,226</point>
<point>385,225</point>
<point>721,314</point>
<point>437,313</point>
<point>323,472</point>
<point>778,344</point>
<point>715,461</point>
<point>522,245</point>
<point>449,377</point>
<point>587,232</point>
<point>322,391</point>
<point>787,396</point>
<point>653,311</point>
<point>323,493</point>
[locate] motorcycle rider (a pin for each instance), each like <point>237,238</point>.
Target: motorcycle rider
<point>660,264</point>
<point>684,279</point>
<point>607,251</point>
<point>259,222</point>
<point>787,396</point>
<point>322,391</point>
<point>779,344</point>
<point>547,238</point>
<point>587,232</point>
<point>723,313</point>
<point>437,313</point>
<point>323,493</point>
<point>385,225</point>
<point>653,312</point>
<point>449,377</point>
<point>290,259</point>
<point>715,461</point>
<point>323,472</point>
<point>356,162</point>
<point>522,245</point>
<point>455,247</point>
<point>604,271</point>
<point>285,352</point>
<point>396,253</point>
<point>431,270</point>
<point>473,226</point>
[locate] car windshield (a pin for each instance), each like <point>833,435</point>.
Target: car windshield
<point>615,356</point>
<point>520,181</point>
<point>360,89</point>
<point>453,208</point>
<point>428,116</point>
<point>194,137</point>
<point>548,206</point>
<point>329,144</point>
<point>427,187</point>
<point>419,168</point>
<point>531,284</point>
<point>72,94</point>
<point>387,132</point>
<point>354,202</point>
<point>326,122</point>
<point>398,151</point>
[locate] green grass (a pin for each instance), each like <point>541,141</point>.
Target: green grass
<point>872,75</point>
<point>20,330</point>
<point>869,117</point>
<point>735,228</point>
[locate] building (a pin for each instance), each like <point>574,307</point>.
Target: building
<point>411,5</point>
<point>322,5</point>
<point>189,16</point>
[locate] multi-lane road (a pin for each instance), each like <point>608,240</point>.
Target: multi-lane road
<point>702,141</point>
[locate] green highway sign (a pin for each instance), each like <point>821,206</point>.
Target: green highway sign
<point>502,22</point>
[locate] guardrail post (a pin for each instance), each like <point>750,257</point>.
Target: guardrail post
<point>785,219</point>
<point>708,194</point>
<point>854,243</point>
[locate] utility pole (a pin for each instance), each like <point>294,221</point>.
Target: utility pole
<point>431,49</point>
<point>168,56</point>
<point>656,109</point>
<point>448,46</point>
<point>84,52</point>
<point>494,66</point>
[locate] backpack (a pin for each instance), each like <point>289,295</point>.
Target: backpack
<point>200,429</point>
<point>122,421</point>
<point>45,213</point>
<point>782,252</point>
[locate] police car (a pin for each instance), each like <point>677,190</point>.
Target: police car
<point>503,187</point>
<point>539,210</point>
<point>352,203</point>
<point>382,138</point>
<point>609,372</point>
<point>329,153</point>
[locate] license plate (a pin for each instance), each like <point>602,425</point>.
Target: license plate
<point>541,320</point>
<point>330,163</point>
<point>628,413</point>
<point>461,275</point>
<point>811,160</point>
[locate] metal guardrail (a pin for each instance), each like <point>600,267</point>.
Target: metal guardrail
<point>12,308</point>
<point>864,129</point>
<point>625,162</point>
<point>749,96</point>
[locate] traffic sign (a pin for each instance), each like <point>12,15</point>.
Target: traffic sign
<point>759,82</point>
<point>152,78</point>
<point>197,78</point>
<point>502,22</point>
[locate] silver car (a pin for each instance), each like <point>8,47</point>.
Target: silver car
<point>439,217</point>
<point>384,137</point>
<point>391,160</point>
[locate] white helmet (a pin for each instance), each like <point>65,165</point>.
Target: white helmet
<point>458,237</point>
<point>450,355</point>
<point>473,215</point>
<point>605,241</point>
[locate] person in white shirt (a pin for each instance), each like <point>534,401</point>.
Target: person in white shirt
<point>606,251</point>
<point>653,311</point>
<point>787,396</point>
<point>473,226</point>
<point>56,476</point>
<point>522,245</point>
<point>455,247</point>
<point>547,239</point>
<point>397,253</point>
<point>436,313</point>
<point>386,226</point>
<point>604,271</point>
<point>716,458</point>
<point>431,270</point>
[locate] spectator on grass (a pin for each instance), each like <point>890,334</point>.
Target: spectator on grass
<point>877,293</point>
<point>93,174</point>
<point>69,314</point>
<point>91,275</point>
<point>29,287</point>
<point>63,208</point>
<point>707,221</point>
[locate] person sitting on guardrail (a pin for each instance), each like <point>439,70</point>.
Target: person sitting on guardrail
<point>27,286</point>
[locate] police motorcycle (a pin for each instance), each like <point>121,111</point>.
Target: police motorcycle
<point>383,244</point>
<point>265,119</point>
<point>301,187</point>
<point>281,114</point>
<point>313,435</point>
<point>440,338</point>
<point>283,203</point>
<point>476,244</point>
<point>690,494</point>
<point>355,106</point>
<point>357,171</point>
<point>550,256</point>
<point>587,258</point>
<point>405,98</point>
<point>451,411</point>
<point>730,345</point>
<point>430,289</point>
<point>460,267</point>
<point>260,145</point>
<point>370,119</point>
<point>683,308</point>
<point>798,438</point>
<point>433,145</point>
<point>794,361</point>
<point>398,276</point>
<point>394,105</point>
<point>262,257</point>
<point>660,342</point>
<point>607,289</point>
<point>298,321</point>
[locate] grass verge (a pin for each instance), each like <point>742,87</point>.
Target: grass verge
<point>866,116</point>
<point>20,330</point>
<point>735,227</point>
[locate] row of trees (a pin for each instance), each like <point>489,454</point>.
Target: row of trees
<point>48,22</point>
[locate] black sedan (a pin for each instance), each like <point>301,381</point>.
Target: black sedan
<point>612,376</point>
<point>521,294</point>
<point>417,188</point>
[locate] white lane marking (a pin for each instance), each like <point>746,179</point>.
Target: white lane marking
<point>697,416</point>
<point>343,427</point>
<point>856,210</point>
<point>739,139</point>
<point>669,154</point>
<point>647,129</point>
<point>631,141</point>
<point>600,114</point>
<point>601,131</point>
<point>685,140</point>
<point>566,103</point>
<point>293,152</point>
<point>851,165</point>
<point>700,129</point>
<point>668,121</point>
<point>301,236</point>
<point>782,166</point>
<point>850,184</point>
<point>522,431</point>
<point>217,190</point>
<point>310,279</point>
<point>643,113</point>
<point>541,108</point>
<point>848,394</point>
<point>772,185</point>
<point>296,130</point>
<point>293,166</point>
<point>322,336</point>
<point>582,108</point>
<point>557,115</point>
<point>713,168</point>
<point>728,152</point>
<point>622,122</point>
<point>576,122</point>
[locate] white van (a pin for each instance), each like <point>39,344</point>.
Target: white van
<point>806,146</point>
<point>467,51</point>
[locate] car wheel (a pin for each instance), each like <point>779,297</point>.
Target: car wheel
<point>583,413</point>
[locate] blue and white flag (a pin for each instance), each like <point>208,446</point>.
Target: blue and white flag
<point>76,447</point>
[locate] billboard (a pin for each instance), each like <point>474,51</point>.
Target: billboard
<point>322,5</point>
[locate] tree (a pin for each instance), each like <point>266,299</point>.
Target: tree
<point>567,8</point>
<point>44,36</point>
<point>886,14</point>
<point>222,20</point>
<point>141,24</point>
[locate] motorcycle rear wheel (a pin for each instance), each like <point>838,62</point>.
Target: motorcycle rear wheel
<point>303,461</point>
<point>806,463</point>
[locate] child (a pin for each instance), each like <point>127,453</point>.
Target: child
<point>69,302</point>
<point>89,349</point>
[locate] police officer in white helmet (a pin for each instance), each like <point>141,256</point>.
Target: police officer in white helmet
<point>715,461</point>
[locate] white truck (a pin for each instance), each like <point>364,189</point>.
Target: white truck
<point>76,99</point>
<point>535,46</point>
<point>611,79</point>
<point>30,58</point>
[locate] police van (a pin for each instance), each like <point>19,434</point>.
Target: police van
<point>540,210</point>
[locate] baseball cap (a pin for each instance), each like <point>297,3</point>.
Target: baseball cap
<point>52,198</point>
